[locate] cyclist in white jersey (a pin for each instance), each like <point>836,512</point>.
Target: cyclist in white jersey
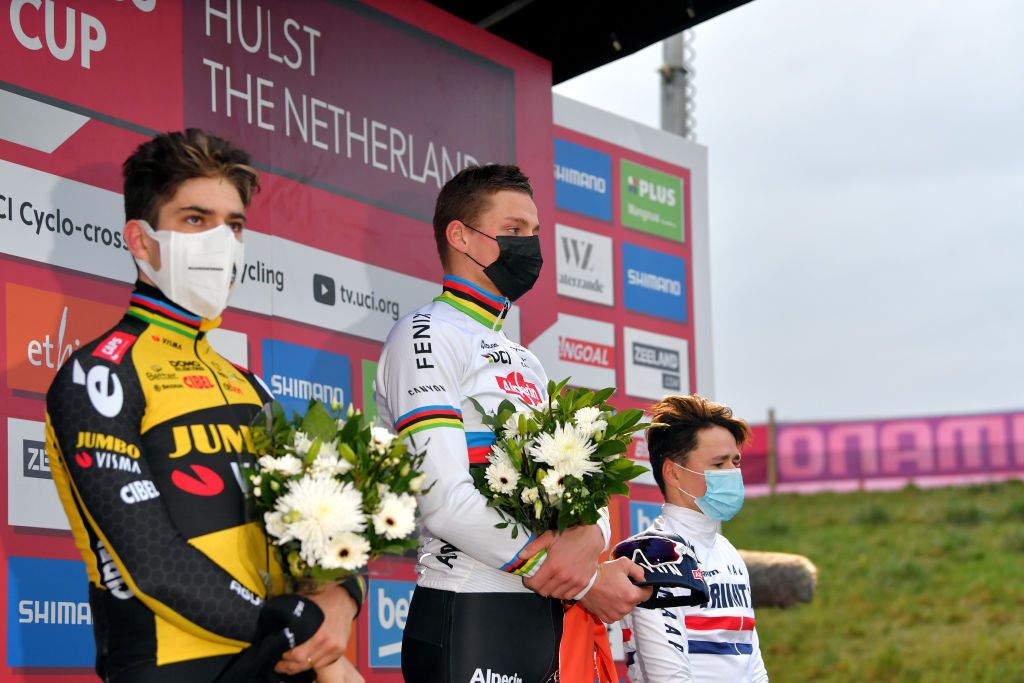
<point>694,451</point>
<point>486,604</point>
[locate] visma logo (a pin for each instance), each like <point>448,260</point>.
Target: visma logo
<point>390,600</point>
<point>653,191</point>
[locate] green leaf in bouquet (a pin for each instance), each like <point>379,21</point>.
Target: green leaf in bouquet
<point>603,395</point>
<point>617,488</point>
<point>352,427</point>
<point>585,399</point>
<point>486,418</point>
<point>318,423</point>
<point>613,447</point>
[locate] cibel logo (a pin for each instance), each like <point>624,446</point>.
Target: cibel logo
<point>41,352</point>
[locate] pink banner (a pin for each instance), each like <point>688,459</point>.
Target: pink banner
<point>935,450</point>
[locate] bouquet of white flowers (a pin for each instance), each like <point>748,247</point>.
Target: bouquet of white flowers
<point>334,492</point>
<point>558,465</point>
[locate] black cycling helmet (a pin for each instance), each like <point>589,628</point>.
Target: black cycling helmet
<point>668,562</point>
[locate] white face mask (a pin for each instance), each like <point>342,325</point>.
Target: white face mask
<point>198,269</point>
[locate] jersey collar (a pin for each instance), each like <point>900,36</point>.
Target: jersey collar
<point>482,306</point>
<point>150,305</point>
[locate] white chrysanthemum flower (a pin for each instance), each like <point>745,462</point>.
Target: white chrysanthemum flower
<point>274,522</point>
<point>588,421</point>
<point>346,551</point>
<point>328,462</point>
<point>501,476</point>
<point>301,443</point>
<point>317,509</point>
<point>395,518</point>
<point>287,464</point>
<point>565,446</point>
<point>530,495</point>
<point>380,439</point>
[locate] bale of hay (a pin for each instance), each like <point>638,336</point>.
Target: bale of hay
<point>779,579</point>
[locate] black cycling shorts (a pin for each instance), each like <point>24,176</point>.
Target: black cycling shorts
<point>461,637</point>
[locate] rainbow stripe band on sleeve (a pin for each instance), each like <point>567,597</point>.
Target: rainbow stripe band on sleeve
<point>428,417</point>
<point>526,567</point>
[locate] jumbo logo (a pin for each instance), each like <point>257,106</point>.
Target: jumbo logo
<point>106,442</point>
<point>210,439</point>
<point>652,191</point>
<point>45,328</point>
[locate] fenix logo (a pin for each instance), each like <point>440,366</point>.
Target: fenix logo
<point>648,190</point>
<point>489,676</point>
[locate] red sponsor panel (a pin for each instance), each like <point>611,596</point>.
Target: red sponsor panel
<point>44,328</point>
<point>586,352</point>
<point>114,347</point>
<point>119,60</point>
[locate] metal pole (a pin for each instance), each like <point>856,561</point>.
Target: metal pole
<point>677,89</point>
<point>773,452</point>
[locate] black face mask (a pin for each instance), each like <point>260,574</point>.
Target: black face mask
<point>517,266</point>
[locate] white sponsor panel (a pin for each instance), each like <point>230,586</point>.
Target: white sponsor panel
<point>35,124</point>
<point>232,345</point>
<point>578,347</point>
<point>31,496</point>
<point>53,220</point>
<point>656,365</point>
<point>584,265</point>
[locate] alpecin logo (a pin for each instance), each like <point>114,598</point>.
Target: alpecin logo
<point>489,676</point>
<point>515,384</point>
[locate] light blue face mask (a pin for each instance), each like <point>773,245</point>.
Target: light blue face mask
<point>724,497</point>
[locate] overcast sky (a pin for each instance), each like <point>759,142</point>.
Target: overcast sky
<point>866,201</point>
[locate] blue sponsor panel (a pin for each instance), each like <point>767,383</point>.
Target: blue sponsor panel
<point>49,623</point>
<point>389,608</point>
<point>297,373</point>
<point>642,515</point>
<point>653,283</point>
<point>583,180</point>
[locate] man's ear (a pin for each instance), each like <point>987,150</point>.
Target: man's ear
<point>455,233</point>
<point>139,244</point>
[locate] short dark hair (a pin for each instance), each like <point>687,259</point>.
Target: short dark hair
<point>675,423</point>
<point>158,167</point>
<point>466,196</point>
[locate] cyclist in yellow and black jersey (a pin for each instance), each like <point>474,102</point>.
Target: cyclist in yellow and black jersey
<point>148,431</point>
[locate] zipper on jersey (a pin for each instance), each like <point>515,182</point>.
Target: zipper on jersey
<point>501,318</point>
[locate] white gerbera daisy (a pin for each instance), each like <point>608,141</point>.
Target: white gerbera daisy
<point>554,488</point>
<point>565,446</point>
<point>395,517</point>
<point>501,476</point>
<point>287,464</point>
<point>346,551</point>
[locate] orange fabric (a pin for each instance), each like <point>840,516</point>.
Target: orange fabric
<point>585,654</point>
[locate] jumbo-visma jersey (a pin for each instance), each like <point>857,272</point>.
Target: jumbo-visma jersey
<point>434,361</point>
<point>146,429</point>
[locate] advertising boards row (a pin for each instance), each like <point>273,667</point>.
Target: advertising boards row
<point>347,110</point>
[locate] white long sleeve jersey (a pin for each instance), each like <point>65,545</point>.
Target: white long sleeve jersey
<point>713,643</point>
<point>434,361</point>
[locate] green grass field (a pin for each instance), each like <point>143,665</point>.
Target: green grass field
<point>913,585</point>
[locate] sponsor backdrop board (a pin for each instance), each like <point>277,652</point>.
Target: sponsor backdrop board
<point>346,109</point>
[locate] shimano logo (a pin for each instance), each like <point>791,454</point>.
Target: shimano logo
<point>654,282</point>
<point>54,612</point>
<point>577,178</point>
<point>292,387</point>
<point>489,676</point>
